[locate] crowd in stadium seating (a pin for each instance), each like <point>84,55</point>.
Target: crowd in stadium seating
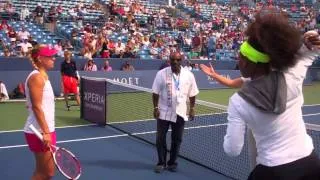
<point>138,29</point>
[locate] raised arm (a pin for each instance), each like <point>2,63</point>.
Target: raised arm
<point>307,54</point>
<point>233,83</point>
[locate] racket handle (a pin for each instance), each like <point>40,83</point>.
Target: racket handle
<point>36,132</point>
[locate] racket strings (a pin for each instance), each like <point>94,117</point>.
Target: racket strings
<point>67,163</point>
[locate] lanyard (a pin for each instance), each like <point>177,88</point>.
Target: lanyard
<point>176,82</point>
<point>169,90</point>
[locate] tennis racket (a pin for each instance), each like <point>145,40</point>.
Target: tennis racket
<point>65,161</point>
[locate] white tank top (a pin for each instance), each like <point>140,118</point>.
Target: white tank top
<point>48,106</point>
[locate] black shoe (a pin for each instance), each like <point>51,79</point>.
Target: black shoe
<point>68,107</point>
<point>172,167</point>
<point>159,168</point>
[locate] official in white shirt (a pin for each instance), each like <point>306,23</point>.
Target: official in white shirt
<point>173,86</point>
<point>270,103</point>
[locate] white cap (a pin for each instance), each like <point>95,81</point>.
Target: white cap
<point>39,4</point>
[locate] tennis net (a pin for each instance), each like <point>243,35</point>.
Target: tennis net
<point>129,109</point>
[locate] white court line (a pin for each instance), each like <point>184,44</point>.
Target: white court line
<point>310,105</point>
<point>113,136</point>
<point>315,114</point>
<point>59,127</point>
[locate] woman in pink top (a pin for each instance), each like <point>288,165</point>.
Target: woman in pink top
<point>106,66</point>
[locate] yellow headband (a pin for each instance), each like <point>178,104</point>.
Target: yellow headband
<point>252,54</point>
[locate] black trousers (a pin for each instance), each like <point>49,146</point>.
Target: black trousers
<point>176,139</point>
<point>307,168</point>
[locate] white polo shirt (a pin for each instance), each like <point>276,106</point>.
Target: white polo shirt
<point>280,139</point>
<point>174,92</point>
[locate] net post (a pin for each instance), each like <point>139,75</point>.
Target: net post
<point>106,102</point>
<point>81,97</point>
<point>251,149</point>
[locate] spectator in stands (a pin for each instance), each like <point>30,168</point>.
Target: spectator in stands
<point>106,66</point>
<point>12,35</point>
<point>113,7</point>
<point>128,53</point>
<point>32,41</point>
<point>211,44</point>
<point>25,47</point>
<point>23,34</point>
<point>17,51</point>
<point>3,92</point>
<point>60,10</point>
<point>119,47</point>
<point>74,35</point>
<point>80,15</point>
<point>59,49</point>
<point>6,52</point>
<point>154,50</point>
<point>39,13</point>
<point>188,66</point>
<point>88,28</point>
<point>104,53</point>
<point>4,26</point>
<point>272,96</point>
<point>68,46</point>
<point>52,19</point>
<point>86,53</point>
<point>93,43</point>
<point>145,41</point>
<point>10,10</point>
<point>90,65</point>
<point>188,41</point>
<point>25,13</point>
<point>69,78</point>
<point>127,67</point>
<point>2,44</point>
<point>12,48</point>
<point>111,46</point>
<point>195,67</point>
<point>172,88</point>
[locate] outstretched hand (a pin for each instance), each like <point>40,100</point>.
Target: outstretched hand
<point>207,69</point>
<point>312,40</point>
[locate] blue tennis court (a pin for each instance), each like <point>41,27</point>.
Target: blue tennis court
<point>106,153</point>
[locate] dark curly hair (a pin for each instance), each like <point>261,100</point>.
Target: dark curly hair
<point>272,34</point>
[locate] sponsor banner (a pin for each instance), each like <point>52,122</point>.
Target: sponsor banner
<point>93,101</point>
<point>140,78</point>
